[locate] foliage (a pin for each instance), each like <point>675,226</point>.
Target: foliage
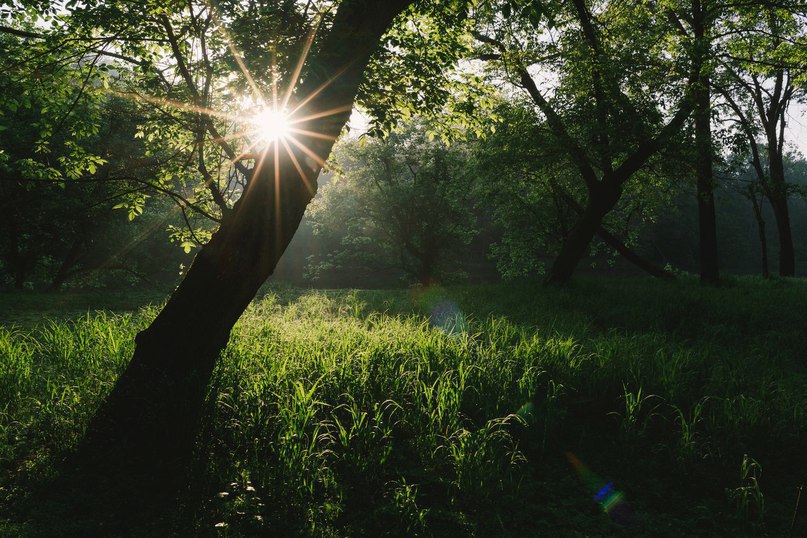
<point>525,180</point>
<point>399,203</point>
<point>194,76</point>
<point>67,157</point>
<point>422,71</point>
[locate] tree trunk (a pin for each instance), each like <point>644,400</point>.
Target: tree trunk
<point>777,194</point>
<point>704,173</point>
<point>601,200</point>
<point>763,240</point>
<point>175,355</point>
<point>707,221</point>
<point>69,261</point>
<point>644,264</point>
<point>15,259</point>
<point>148,425</point>
<point>19,279</point>
<point>160,394</point>
<point>612,241</point>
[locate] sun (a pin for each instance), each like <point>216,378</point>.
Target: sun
<point>272,125</point>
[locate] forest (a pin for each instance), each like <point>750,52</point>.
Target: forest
<point>403,268</point>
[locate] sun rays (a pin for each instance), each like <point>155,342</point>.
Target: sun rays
<point>265,127</point>
<point>273,123</point>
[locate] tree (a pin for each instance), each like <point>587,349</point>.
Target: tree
<point>761,67</point>
<point>702,19</point>
<point>149,420</point>
<point>401,203</point>
<point>606,110</point>
<point>742,173</point>
<point>526,182</point>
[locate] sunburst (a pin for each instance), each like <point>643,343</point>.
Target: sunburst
<point>269,128</point>
<point>277,125</point>
<point>272,125</point>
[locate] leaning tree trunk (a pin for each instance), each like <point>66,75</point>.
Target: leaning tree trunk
<point>615,243</point>
<point>160,392</point>
<point>149,422</point>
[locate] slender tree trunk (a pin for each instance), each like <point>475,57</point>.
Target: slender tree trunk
<point>704,173</point>
<point>15,259</point>
<point>69,261</point>
<point>778,197</point>
<point>707,221</point>
<point>23,265</point>
<point>19,279</point>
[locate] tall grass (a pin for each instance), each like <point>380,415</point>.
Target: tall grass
<point>448,411</point>
<point>52,379</point>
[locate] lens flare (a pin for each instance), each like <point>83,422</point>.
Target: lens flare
<point>610,500</point>
<point>448,317</point>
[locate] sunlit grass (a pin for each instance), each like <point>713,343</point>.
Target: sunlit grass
<point>359,412</point>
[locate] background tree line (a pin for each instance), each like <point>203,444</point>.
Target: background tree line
<point>548,134</point>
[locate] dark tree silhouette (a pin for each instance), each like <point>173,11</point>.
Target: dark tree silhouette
<point>137,446</point>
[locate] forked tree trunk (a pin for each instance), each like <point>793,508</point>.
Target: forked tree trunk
<point>615,243</point>
<point>151,418</point>
<point>601,200</point>
<point>603,195</point>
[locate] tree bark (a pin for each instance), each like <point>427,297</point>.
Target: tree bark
<point>777,195</point>
<point>68,262</point>
<point>704,173</point>
<point>615,243</point>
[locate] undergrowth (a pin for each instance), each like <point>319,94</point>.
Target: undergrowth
<point>458,411</point>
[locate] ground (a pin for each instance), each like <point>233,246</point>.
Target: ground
<point>613,406</point>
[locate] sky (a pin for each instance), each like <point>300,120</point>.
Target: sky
<point>796,127</point>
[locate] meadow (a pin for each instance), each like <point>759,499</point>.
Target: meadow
<point>610,407</point>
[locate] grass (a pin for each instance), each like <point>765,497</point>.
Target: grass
<point>613,406</point>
